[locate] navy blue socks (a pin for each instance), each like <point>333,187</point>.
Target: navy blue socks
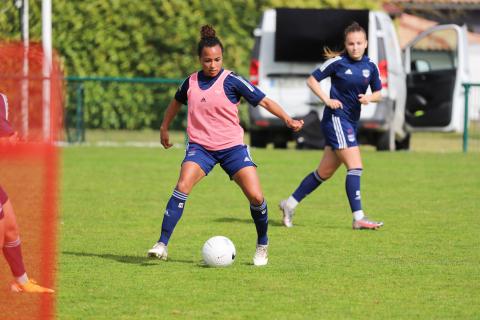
<point>260,217</point>
<point>173,213</point>
<point>352,186</point>
<point>308,184</point>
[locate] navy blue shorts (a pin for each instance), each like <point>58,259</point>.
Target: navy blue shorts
<point>339,133</point>
<point>231,159</point>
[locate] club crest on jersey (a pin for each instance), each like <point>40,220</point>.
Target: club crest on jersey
<point>366,73</point>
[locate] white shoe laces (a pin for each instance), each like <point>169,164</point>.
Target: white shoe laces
<point>261,251</point>
<point>159,245</point>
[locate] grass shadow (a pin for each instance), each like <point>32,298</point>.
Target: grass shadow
<point>273,223</point>
<point>233,220</point>
<point>142,261</point>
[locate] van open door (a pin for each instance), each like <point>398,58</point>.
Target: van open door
<point>436,65</point>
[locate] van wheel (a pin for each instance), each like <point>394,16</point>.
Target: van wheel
<point>403,144</point>
<point>258,139</point>
<point>386,141</point>
<point>280,144</point>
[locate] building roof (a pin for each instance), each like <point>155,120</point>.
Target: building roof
<point>409,26</point>
<point>436,4</point>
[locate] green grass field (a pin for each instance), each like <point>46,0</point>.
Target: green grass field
<point>439,142</point>
<point>424,264</point>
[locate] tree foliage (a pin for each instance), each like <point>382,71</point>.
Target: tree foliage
<point>149,38</point>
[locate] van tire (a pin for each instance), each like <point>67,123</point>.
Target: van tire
<point>258,139</point>
<point>280,144</point>
<point>385,141</point>
<point>403,144</point>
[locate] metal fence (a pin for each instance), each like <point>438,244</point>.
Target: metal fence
<point>471,130</point>
<point>136,103</point>
<point>116,103</point>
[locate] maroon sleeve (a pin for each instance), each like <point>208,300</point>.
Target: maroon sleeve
<point>6,129</point>
<point>3,196</point>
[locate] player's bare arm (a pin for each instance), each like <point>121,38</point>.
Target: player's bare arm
<point>367,98</point>
<point>275,109</point>
<point>313,84</point>
<point>170,114</point>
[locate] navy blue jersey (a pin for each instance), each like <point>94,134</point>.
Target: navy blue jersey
<point>349,78</point>
<point>234,85</point>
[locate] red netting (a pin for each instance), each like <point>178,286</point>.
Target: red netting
<point>29,174</point>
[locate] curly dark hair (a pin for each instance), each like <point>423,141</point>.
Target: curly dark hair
<point>208,39</point>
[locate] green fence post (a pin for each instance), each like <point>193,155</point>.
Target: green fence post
<point>79,117</point>
<point>465,123</point>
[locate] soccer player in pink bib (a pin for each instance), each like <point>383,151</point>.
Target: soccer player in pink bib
<point>215,136</point>
<point>9,235</point>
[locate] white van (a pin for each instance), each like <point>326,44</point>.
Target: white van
<point>289,46</point>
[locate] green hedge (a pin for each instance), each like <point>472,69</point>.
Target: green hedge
<point>148,38</point>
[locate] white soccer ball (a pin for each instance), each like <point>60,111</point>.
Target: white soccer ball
<point>218,251</point>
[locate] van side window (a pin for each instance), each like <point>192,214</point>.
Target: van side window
<point>437,51</point>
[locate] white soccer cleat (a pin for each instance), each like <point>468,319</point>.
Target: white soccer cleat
<point>365,224</point>
<point>261,255</point>
<point>287,214</point>
<point>159,251</point>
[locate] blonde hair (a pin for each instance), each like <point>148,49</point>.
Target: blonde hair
<point>329,53</point>
<point>353,27</point>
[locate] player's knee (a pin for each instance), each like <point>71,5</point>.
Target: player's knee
<point>325,174</point>
<point>357,166</point>
<point>11,232</point>
<point>184,186</point>
<point>256,199</point>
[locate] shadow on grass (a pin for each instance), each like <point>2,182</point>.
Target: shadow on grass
<point>142,261</point>
<point>273,223</point>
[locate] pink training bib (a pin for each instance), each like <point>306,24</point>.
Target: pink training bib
<point>213,120</point>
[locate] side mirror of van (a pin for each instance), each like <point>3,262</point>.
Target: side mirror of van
<point>257,32</point>
<point>420,66</point>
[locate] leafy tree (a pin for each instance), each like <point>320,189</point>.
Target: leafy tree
<point>149,38</point>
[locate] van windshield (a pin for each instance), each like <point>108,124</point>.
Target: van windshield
<point>301,34</point>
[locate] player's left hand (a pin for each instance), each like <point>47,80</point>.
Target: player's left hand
<point>13,139</point>
<point>295,125</point>
<point>165,139</point>
<point>364,99</point>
